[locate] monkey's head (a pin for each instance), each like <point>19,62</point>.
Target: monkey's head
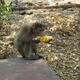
<point>38,27</point>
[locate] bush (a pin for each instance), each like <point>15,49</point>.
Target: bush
<point>4,11</point>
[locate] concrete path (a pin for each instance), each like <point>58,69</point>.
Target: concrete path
<point>20,69</point>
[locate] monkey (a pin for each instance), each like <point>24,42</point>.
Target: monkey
<point>24,40</point>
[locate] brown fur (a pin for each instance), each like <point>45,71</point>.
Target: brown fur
<point>24,40</point>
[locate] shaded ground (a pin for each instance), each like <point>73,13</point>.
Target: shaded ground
<point>63,54</point>
<point>20,69</point>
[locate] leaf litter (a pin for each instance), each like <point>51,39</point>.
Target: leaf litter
<point>63,53</point>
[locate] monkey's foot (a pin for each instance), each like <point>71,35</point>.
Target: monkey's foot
<point>41,57</point>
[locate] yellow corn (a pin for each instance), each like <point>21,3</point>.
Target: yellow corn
<point>44,38</point>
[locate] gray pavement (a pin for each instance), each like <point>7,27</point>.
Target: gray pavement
<point>20,69</point>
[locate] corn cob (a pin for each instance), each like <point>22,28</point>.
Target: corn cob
<point>44,38</point>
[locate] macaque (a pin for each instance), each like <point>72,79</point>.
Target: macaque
<point>25,43</point>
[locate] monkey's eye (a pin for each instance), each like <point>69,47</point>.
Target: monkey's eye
<point>40,29</point>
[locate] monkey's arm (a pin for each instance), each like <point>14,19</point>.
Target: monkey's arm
<point>24,39</point>
<point>30,39</point>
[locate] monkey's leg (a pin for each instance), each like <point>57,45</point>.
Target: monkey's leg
<point>21,52</point>
<point>29,55</point>
<point>27,50</point>
<point>34,49</point>
<point>20,45</point>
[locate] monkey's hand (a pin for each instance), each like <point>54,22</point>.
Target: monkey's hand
<point>36,40</point>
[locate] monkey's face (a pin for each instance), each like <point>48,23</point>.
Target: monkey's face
<point>39,30</point>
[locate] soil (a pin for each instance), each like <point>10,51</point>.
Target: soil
<point>62,54</point>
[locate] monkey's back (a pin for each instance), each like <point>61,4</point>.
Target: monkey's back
<point>23,34</point>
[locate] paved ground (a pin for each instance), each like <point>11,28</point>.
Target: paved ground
<point>20,69</point>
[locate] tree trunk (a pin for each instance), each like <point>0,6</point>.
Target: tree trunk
<point>2,1</point>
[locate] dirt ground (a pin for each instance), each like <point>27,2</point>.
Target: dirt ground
<point>63,54</point>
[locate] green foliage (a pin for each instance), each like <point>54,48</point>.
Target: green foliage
<point>4,11</point>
